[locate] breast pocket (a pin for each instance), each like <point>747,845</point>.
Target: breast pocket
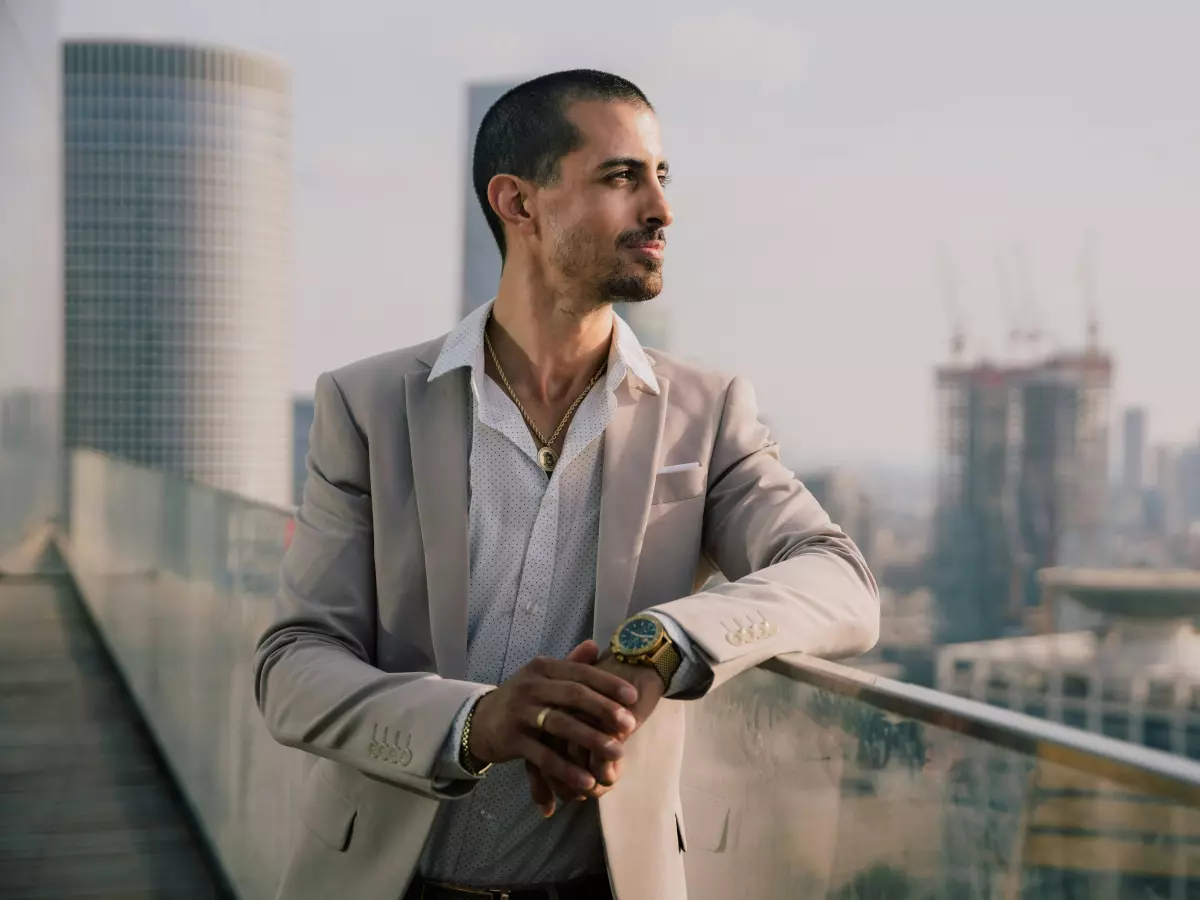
<point>671,487</point>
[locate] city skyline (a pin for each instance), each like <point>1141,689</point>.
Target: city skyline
<point>855,155</point>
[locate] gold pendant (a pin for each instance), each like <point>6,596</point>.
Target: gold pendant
<point>547,459</point>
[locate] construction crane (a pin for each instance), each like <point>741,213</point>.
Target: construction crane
<point>1085,273</point>
<point>1008,295</point>
<point>948,287</point>
<point>1027,296</point>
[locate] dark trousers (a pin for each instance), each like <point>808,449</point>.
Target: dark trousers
<point>591,887</point>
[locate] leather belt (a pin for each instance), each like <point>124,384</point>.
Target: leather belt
<point>591,887</point>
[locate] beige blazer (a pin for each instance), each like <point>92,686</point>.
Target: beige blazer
<point>365,660</point>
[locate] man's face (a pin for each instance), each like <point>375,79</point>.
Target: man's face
<point>606,215</point>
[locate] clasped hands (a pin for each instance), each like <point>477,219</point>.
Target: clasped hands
<point>594,706</point>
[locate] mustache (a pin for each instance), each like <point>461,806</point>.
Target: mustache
<point>630,238</point>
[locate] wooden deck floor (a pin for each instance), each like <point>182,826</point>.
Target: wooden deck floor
<point>85,809</point>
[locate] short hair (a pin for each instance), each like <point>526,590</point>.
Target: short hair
<point>526,132</point>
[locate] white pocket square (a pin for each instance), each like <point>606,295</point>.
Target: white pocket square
<point>681,467</point>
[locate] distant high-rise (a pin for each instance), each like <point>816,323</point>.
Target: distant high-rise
<point>649,321</point>
<point>843,497</point>
<point>481,258</point>
<point>31,317</point>
<point>1133,463</point>
<point>178,221</point>
<point>1023,475</point>
<point>303,413</point>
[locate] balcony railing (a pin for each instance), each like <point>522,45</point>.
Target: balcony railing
<point>803,778</point>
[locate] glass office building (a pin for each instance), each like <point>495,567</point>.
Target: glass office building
<point>30,272</point>
<point>178,253</point>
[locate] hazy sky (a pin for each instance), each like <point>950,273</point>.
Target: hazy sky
<point>822,152</point>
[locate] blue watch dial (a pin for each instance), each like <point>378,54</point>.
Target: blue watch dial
<point>638,634</point>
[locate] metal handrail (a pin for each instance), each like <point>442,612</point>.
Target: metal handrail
<point>1130,765</point>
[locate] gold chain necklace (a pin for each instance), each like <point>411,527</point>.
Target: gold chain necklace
<point>546,456</point>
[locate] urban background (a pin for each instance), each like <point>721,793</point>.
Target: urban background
<point>952,248</point>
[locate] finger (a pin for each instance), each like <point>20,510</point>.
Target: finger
<point>598,791</point>
<point>566,793</point>
<point>588,760</point>
<point>586,653</point>
<point>553,766</point>
<point>570,696</point>
<point>600,681</point>
<point>540,790</point>
<point>604,770</point>
<point>562,725</point>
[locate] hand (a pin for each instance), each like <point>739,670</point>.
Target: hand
<point>650,689</point>
<point>607,772</point>
<point>587,708</point>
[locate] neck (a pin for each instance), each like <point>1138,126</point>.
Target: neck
<point>549,344</point>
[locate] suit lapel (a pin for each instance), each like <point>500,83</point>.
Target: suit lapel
<point>439,435</point>
<point>630,451</point>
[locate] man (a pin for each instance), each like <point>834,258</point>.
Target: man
<point>481,507</point>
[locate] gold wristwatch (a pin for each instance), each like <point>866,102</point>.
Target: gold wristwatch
<point>642,641</point>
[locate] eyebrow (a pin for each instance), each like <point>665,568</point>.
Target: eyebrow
<point>631,162</point>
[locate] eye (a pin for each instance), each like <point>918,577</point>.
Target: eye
<point>664,179</point>
<point>623,175</point>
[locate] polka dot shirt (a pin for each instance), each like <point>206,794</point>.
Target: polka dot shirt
<point>533,545</point>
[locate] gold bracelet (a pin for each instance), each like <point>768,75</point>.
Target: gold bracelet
<point>464,748</point>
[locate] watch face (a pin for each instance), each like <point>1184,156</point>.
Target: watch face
<point>637,635</point>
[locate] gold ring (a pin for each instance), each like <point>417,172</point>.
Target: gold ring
<point>541,718</point>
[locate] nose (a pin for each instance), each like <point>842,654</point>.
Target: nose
<point>658,210</point>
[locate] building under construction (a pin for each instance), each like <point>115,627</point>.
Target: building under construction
<point>1023,480</point>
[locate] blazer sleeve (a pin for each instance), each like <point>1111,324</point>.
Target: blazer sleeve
<point>314,680</point>
<point>797,583</point>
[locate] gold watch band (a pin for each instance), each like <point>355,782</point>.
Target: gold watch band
<point>666,662</point>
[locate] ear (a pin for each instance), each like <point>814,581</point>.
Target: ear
<point>510,198</point>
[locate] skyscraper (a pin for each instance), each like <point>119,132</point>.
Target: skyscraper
<point>1133,464</point>
<point>481,258</point>
<point>178,220</point>
<point>649,321</point>
<point>303,413</point>
<point>30,266</point>
<point>1023,475</point>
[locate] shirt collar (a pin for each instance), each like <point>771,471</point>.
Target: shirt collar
<point>463,347</point>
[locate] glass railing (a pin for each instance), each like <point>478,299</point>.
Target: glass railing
<point>29,479</point>
<point>30,472</point>
<point>802,778</point>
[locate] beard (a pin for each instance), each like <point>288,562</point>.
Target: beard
<point>585,261</point>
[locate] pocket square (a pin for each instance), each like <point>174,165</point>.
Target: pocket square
<point>681,467</point>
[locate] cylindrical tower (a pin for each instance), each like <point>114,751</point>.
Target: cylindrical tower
<point>178,254</point>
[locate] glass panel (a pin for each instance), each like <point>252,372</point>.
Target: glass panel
<point>916,811</point>
<point>790,788</point>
